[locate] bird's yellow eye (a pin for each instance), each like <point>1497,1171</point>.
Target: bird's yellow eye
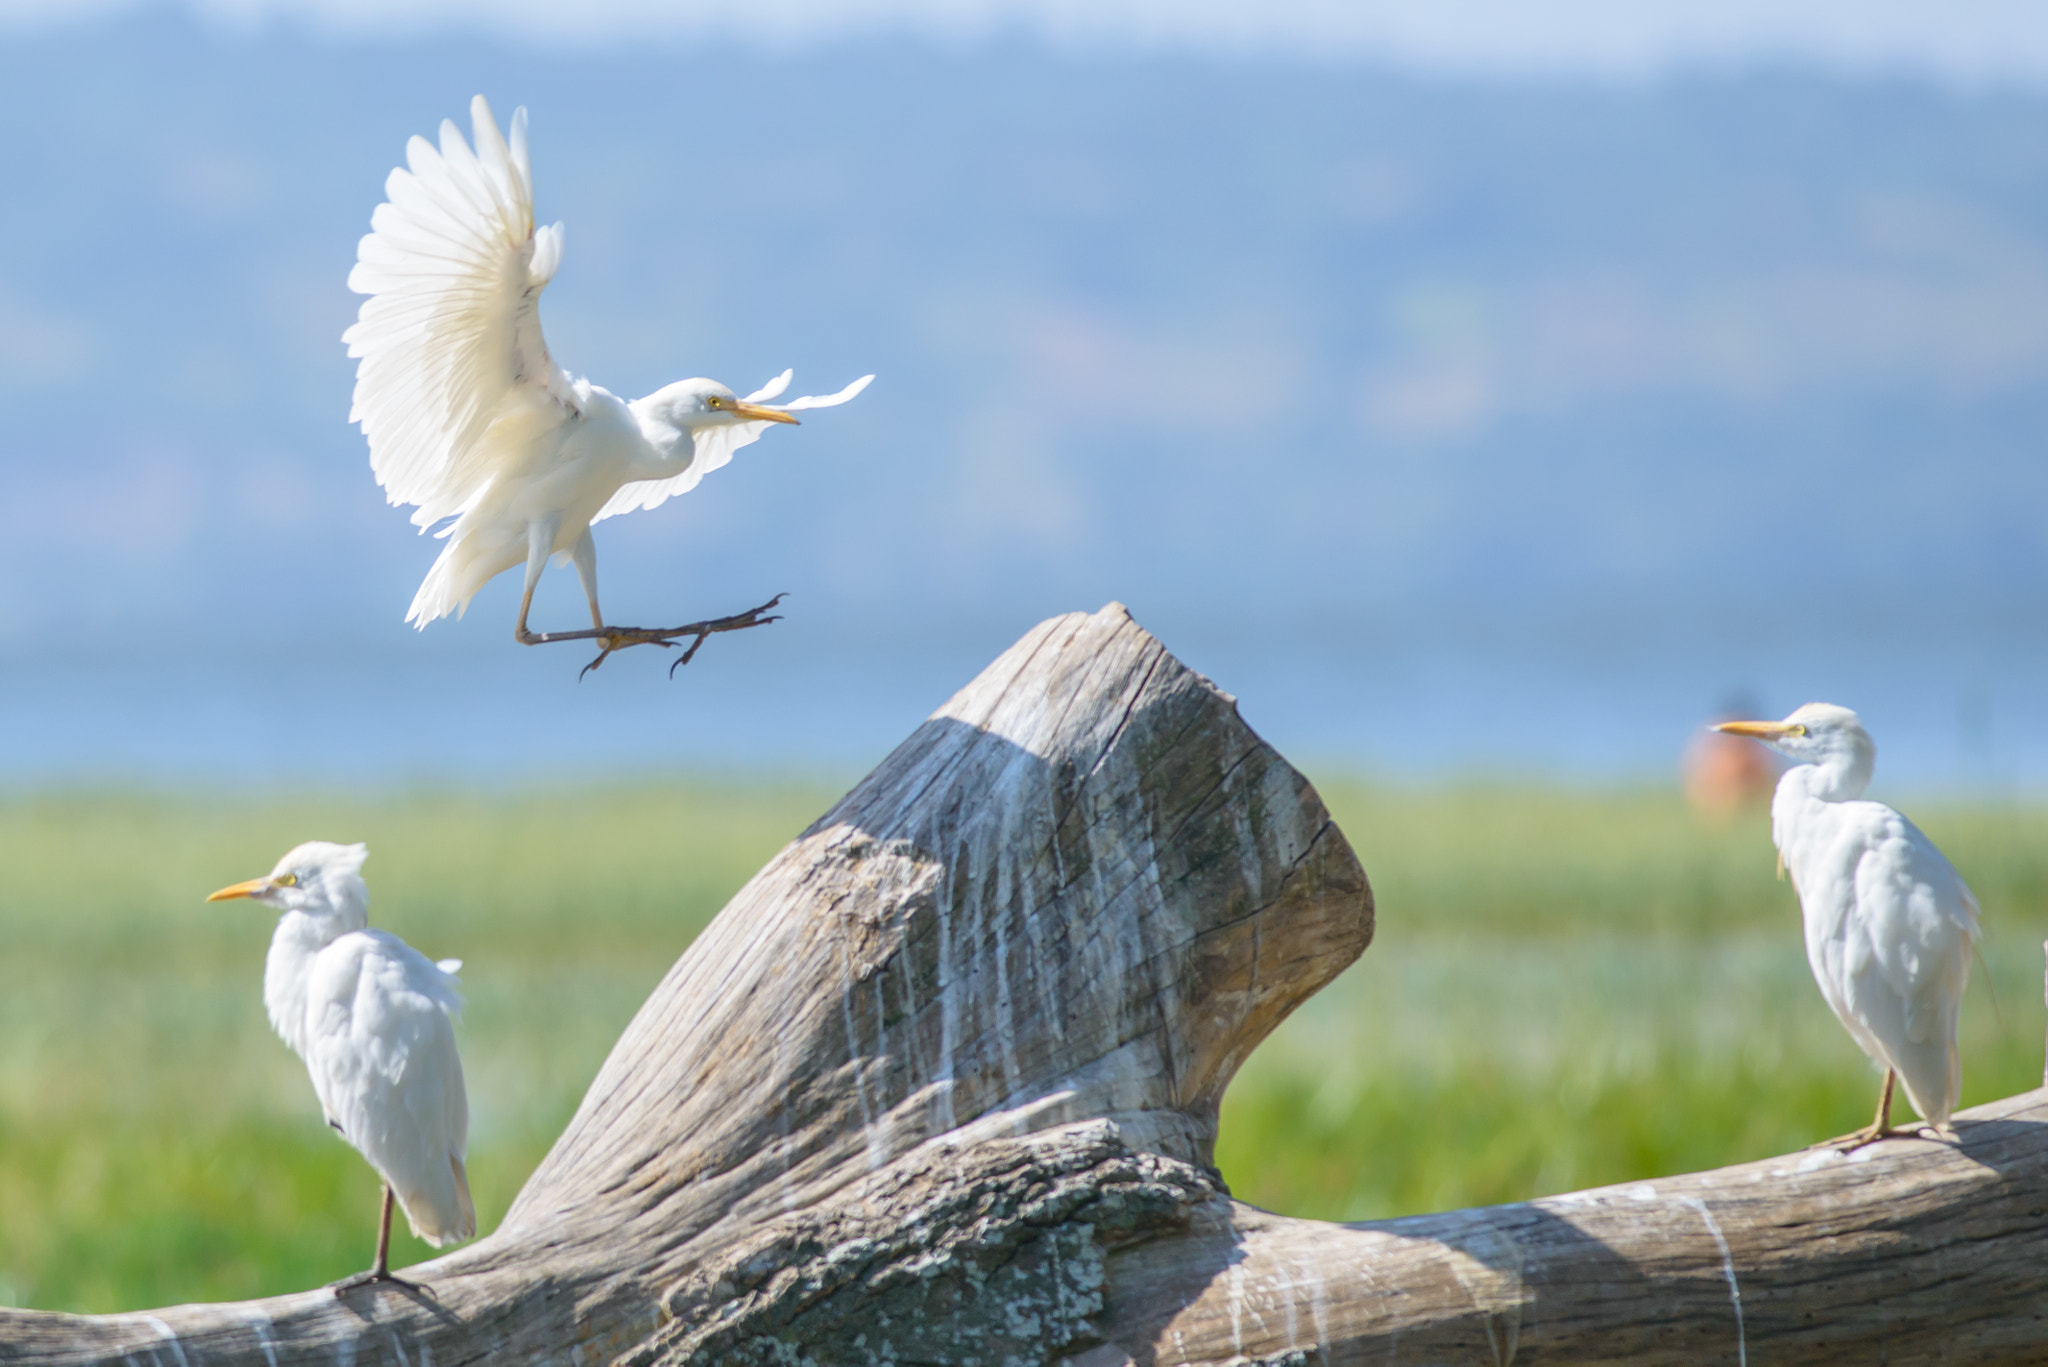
<point>714,402</point>
<point>286,880</point>
<point>1799,728</point>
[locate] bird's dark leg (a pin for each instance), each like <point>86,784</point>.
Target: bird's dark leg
<point>380,1270</point>
<point>519,631</point>
<point>1880,1126</point>
<point>1882,1121</point>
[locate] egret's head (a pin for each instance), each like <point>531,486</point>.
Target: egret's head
<point>1822,734</point>
<point>319,878</point>
<point>692,405</point>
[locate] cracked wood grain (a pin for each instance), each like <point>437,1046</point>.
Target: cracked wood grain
<point>940,1084</point>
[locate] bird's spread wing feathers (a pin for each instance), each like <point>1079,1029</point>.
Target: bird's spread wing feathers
<point>449,342</point>
<point>715,447</point>
<point>781,382</point>
<point>773,389</point>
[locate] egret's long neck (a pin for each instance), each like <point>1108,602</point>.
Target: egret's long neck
<point>1844,774</point>
<point>670,446</point>
<point>287,968</point>
<point>1840,776</point>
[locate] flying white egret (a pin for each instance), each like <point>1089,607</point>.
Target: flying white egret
<point>468,416</point>
<point>374,1020</point>
<point>1890,924</point>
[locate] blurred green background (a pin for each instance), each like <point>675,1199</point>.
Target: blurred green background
<point>1568,988</point>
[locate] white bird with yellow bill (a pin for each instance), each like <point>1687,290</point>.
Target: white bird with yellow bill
<point>467,415</point>
<point>374,1020</point>
<point>1890,924</point>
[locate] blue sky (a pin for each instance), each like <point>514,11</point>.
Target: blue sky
<point>1962,40</point>
<point>1454,423</point>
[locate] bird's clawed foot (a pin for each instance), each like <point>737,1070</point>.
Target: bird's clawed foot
<point>1871,1134</point>
<point>1881,1127</point>
<point>376,1276</point>
<point>610,640</point>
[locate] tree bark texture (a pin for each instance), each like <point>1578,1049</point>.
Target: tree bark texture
<point>940,1085</point>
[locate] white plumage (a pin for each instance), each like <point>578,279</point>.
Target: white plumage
<point>467,415</point>
<point>374,1020</point>
<point>1890,924</point>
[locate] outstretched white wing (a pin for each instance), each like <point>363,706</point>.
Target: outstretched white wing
<point>715,445</point>
<point>453,373</point>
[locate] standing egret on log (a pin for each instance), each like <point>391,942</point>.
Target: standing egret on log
<point>374,1020</point>
<point>468,416</point>
<point>1890,924</point>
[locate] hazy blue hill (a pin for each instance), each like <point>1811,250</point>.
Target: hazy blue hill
<point>1481,405</point>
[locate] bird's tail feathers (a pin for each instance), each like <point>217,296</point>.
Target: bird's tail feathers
<point>445,1221</point>
<point>1932,1073</point>
<point>432,601</point>
<point>448,587</point>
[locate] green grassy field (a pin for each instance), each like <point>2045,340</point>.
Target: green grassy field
<point>1566,989</point>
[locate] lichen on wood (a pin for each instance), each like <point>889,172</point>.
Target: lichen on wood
<point>989,1254</point>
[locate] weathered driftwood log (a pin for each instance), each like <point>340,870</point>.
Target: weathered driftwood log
<point>940,1086</point>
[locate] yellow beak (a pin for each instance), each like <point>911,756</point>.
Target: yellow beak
<point>234,890</point>
<point>754,410</point>
<point>1761,730</point>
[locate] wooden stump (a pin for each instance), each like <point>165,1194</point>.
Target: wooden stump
<point>940,1085</point>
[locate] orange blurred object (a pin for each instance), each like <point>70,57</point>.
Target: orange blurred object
<point>1727,775</point>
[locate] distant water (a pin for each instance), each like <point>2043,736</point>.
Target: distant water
<point>463,704</point>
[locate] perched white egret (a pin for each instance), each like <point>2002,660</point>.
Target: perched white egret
<point>467,415</point>
<point>374,1020</point>
<point>1890,924</point>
